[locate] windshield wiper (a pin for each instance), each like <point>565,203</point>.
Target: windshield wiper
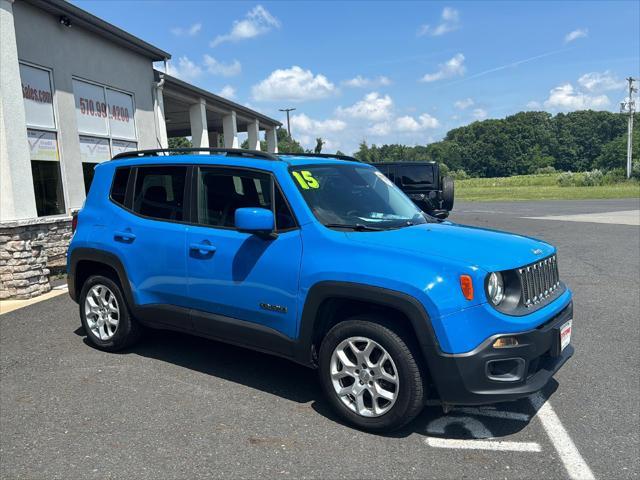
<point>358,227</point>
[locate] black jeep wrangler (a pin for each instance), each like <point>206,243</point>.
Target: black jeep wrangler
<point>423,184</point>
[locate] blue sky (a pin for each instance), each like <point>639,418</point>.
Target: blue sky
<point>388,72</point>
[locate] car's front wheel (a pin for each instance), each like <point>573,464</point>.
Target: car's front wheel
<point>105,315</point>
<point>370,374</point>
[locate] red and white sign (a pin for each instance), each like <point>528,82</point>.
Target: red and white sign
<point>102,111</point>
<point>38,96</point>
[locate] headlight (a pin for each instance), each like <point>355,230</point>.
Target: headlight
<point>495,288</point>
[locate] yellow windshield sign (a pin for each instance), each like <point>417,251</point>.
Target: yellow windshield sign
<point>306,179</point>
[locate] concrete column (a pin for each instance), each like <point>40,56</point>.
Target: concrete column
<point>214,139</point>
<point>161,124</point>
<point>198,120</point>
<point>230,131</point>
<point>253,131</point>
<point>272,140</point>
<point>17,198</point>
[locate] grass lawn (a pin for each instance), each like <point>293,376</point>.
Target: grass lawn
<point>537,187</point>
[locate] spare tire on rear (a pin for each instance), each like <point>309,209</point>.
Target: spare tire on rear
<point>447,193</point>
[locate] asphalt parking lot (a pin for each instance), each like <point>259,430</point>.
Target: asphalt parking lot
<point>181,407</point>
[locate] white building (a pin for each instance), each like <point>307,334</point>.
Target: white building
<point>74,91</point>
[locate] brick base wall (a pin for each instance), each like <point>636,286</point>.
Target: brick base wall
<point>28,251</point>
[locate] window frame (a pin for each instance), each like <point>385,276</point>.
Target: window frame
<point>233,169</point>
<point>190,208</point>
<point>55,130</point>
<point>109,136</point>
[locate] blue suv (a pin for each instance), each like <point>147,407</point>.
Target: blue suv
<point>322,260</point>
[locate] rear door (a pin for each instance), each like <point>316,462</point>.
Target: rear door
<point>237,277</point>
<point>149,232</point>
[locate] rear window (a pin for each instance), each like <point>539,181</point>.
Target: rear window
<point>159,192</point>
<point>416,175</point>
<point>119,186</point>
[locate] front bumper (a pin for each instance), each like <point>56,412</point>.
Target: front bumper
<point>490,375</point>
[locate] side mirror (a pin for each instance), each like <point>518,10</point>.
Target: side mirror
<point>258,221</point>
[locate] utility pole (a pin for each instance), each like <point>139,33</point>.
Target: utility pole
<point>288,121</point>
<point>629,107</point>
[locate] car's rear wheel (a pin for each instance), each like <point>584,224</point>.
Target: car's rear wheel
<point>370,374</point>
<point>105,315</point>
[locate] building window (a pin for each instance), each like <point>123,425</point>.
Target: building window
<point>105,123</point>
<point>42,136</point>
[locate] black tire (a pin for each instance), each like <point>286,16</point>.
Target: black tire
<point>410,393</point>
<point>128,330</point>
<point>448,193</point>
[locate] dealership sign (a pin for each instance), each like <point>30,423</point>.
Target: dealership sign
<point>38,96</point>
<point>103,111</point>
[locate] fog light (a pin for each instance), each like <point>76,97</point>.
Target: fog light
<point>505,342</point>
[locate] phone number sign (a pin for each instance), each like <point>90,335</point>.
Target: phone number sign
<point>102,111</point>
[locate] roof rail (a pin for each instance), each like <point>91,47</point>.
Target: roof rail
<point>323,155</point>
<point>173,151</point>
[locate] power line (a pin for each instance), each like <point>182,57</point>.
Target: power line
<point>288,121</point>
<point>629,107</point>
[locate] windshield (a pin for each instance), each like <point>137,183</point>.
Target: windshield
<point>355,197</point>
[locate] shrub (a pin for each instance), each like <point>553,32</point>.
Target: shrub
<point>458,174</point>
<point>614,176</point>
<point>594,178</point>
<point>566,179</point>
<point>546,170</point>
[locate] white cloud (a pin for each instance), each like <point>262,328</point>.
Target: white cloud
<point>454,67</point>
<point>576,34</point>
<point>600,82</point>
<point>565,97</point>
<point>294,84</point>
<point>303,123</point>
<point>218,68</point>
<point>534,105</point>
<point>464,103</point>
<point>404,124</point>
<point>191,31</point>
<point>186,69</point>
<point>362,82</point>
<point>372,107</point>
<point>228,92</point>
<point>479,113</point>
<point>449,21</point>
<point>257,21</point>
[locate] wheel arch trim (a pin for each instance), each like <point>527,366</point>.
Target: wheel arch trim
<point>326,290</point>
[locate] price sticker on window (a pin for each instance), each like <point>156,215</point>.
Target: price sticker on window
<point>306,180</point>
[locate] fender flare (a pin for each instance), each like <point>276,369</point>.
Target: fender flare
<point>99,256</point>
<point>400,301</point>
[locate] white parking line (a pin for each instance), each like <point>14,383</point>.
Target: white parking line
<point>483,445</point>
<point>576,467</point>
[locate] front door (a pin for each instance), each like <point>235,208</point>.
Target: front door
<point>236,275</point>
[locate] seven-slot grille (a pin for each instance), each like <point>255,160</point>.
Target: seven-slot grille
<point>539,280</point>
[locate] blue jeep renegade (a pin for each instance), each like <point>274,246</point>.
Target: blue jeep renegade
<point>322,260</point>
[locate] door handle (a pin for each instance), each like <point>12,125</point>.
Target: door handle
<point>202,248</point>
<point>124,236</point>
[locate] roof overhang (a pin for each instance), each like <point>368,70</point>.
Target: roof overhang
<point>84,19</point>
<point>179,95</point>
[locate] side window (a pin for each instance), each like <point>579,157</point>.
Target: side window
<point>220,194</point>
<point>119,186</point>
<point>159,192</point>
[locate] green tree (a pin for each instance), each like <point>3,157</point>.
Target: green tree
<point>319,144</point>
<point>179,142</point>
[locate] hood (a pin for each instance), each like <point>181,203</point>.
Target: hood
<point>487,249</point>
